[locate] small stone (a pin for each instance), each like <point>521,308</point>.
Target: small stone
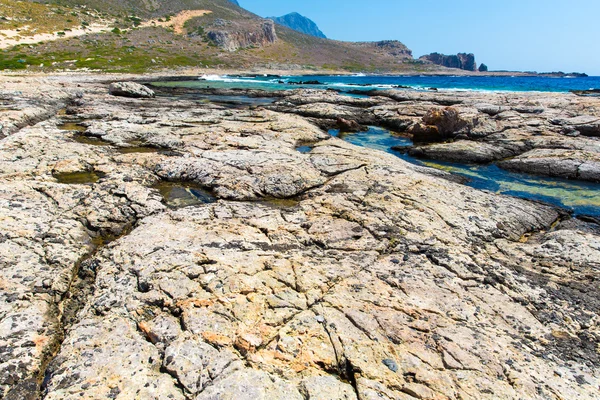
<point>320,319</point>
<point>391,364</point>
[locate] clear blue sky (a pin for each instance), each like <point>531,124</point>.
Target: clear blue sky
<point>523,35</point>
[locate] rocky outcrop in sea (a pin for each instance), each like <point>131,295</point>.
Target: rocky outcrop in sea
<point>460,61</point>
<point>170,248</point>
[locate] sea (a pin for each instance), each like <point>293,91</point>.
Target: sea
<point>370,82</point>
<point>580,198</point>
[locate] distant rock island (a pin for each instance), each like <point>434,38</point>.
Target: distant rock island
<point>461,60</point>
<point>300,23</point>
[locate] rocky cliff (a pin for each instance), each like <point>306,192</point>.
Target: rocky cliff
<point>461,60</point>
<point>299,23</point>
<point>231,36</point>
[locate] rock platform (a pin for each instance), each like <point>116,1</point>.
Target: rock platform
<point>339,273</point>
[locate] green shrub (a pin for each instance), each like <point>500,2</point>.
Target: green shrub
<point>136,20</point>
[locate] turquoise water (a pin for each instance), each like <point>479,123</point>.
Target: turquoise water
<point>582,198</point>
<point>359,82</point>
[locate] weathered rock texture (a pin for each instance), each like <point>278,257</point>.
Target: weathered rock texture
<point>234,35</point>
<point>342,273</point>
<point>461,60</point>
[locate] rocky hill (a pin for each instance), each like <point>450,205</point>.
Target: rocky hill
<point>460,61</point>
<point>139,36</point>
<point>300,23</point>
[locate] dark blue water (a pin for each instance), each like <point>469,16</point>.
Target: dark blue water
<point>356,82</point>
<point>582,198</point>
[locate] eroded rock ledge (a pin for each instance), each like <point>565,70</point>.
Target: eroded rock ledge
<point>342,273</point>
<point>551,134</point>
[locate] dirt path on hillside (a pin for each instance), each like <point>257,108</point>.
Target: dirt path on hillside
<point>178,21</point>
<point>12,37</point>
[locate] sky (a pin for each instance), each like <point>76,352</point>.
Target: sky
<point>515,35</point>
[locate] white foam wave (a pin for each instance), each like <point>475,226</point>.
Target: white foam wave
<point>227,79</point>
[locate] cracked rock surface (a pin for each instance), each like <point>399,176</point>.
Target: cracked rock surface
<point>341,273</point>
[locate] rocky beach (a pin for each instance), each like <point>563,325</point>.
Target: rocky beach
<point>156,245</point>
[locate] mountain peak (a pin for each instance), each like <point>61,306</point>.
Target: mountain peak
<point>299,23</point>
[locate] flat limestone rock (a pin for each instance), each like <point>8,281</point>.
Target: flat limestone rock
<point>341,273</point>
<point>569,164</point>
<point>462,151</point>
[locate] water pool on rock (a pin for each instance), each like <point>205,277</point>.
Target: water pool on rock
<point>79,178</point>
<point>183,194</point>
<point>583,198</point>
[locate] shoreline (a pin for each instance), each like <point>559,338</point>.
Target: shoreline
<point>279,72</point>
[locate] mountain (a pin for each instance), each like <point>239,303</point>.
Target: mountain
<point>462,61</point>
<point>299,23</point>
<point>141,35</point>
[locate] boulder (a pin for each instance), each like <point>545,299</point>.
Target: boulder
<point>130,89</point>
<point>346,125</point>
<point>439,124</point>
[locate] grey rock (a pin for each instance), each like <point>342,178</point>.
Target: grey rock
<point>569,164</point>
<point>130,89</point>
<point>250,385</point>
<point>326,388</point>
<point>107,292</point>
<point>391,364</point>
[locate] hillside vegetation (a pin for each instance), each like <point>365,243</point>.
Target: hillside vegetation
<point>140,36</point>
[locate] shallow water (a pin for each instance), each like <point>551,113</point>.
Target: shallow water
<point>183,194</point>
<point>79,178</point>
<point>72,126</point>
<point>230,101</point>
<point>91,140</point>
<point>137,149</point>
<point>583,198</point>
<point>304,149</point>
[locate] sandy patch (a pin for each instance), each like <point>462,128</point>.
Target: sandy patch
<point>9,38</point>
<point>177,21</point>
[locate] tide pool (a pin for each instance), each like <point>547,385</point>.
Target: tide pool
<point>582,198</point>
